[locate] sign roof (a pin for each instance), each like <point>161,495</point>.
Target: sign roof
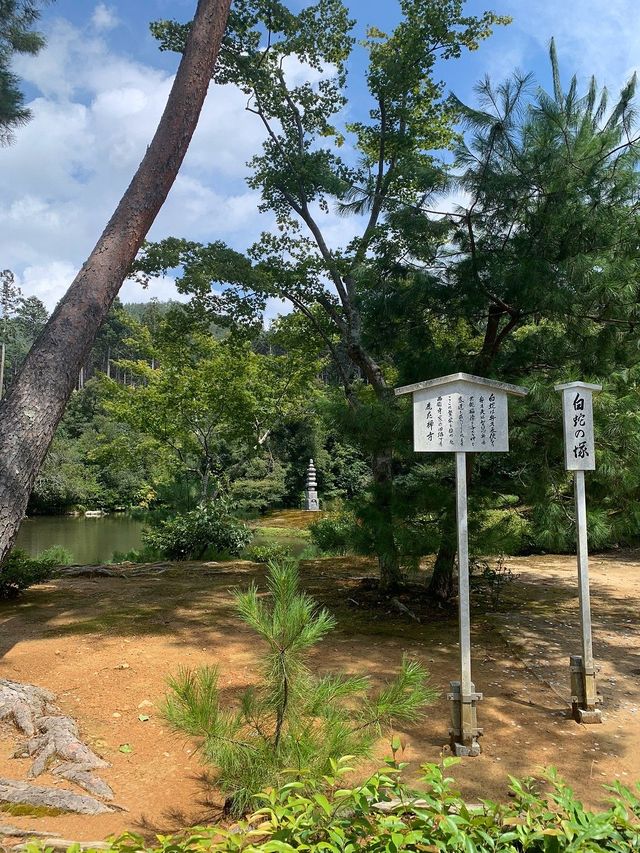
<point>516,390</point>
<point>586,386</point>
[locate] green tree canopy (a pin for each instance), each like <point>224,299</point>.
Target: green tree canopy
<point>312,161</point>
<point>17,20</point>
<point>208,404</point>
<point>538,280</point>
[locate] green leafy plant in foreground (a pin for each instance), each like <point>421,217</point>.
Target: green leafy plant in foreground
<point>383,815</point>
<point>292,724</point>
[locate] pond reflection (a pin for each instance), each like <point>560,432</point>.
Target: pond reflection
<point>90,540</point>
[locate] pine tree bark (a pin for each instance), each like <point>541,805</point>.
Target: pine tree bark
<point>37,399</point>
<point>441,586</point>
<point>391,576</point>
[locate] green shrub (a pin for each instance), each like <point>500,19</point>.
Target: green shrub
<point>267,553</point>
<point>20,571</point>
<point>188,536</point>
<point>310,552</point>
<point>324,815</point>
<point>292,723</point>
<point>437,818</point>
<point>135,555</point>
<point>333,535</point>
<point>56,555</point>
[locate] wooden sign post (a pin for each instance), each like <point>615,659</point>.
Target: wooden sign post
<point>462,414</point>
<point>580,456</point>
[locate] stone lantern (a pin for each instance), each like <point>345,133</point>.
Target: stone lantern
<point>311,502</point>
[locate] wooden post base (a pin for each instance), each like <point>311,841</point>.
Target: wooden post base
<point>584,694</point>
<point>464,731</point>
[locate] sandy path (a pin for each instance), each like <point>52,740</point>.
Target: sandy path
<point>106,646</point>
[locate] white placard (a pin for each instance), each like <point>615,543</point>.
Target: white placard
<point>577,410</point>
<point>461,413</point>
<point>460,416</point>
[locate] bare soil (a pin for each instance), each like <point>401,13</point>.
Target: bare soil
<point>105,646</point>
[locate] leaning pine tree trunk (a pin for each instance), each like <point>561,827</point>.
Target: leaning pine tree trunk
<point>38,396</point>
<point>442,584</point>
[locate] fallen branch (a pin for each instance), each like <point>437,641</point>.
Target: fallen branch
<point>402,608</point>
<point>123,571</point>
<point>20,832</point>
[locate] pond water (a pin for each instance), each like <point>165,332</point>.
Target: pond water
<point>90,540</point>
<point>94,540</point>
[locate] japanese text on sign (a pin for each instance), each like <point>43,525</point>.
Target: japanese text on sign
<point>463,419</point>
<point>579,445</point>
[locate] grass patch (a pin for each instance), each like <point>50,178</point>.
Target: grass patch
<point>288,519</point>
<point>26,810</point>
<point>295,540</point>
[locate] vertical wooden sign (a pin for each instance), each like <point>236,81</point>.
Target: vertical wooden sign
<point>580,456</point>
<point>461,414</point>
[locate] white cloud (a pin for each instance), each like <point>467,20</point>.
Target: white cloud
<point>297,72</point>
<point>104,17</point>
<point>50,281</point>
<point>69,166</point>
<point>592,37</point>
<point>276,308</point>
<point>162,288</point>
<point>47,281</point>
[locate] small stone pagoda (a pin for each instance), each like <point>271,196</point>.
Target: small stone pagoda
<point>311,502</point>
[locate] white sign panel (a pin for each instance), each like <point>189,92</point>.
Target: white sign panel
<point>460,417</point>
<point>461,413</point>
<point>577,409</point>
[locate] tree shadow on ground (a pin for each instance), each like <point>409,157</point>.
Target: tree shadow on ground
<point>520,651</point>
<point>208,809</point>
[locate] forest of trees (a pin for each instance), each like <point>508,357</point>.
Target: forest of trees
<point>532,277</point>
<point>170,410</point>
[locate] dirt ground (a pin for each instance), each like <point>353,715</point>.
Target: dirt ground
<point>106,645</point>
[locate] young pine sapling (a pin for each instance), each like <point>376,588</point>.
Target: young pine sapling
<point>292,722</point>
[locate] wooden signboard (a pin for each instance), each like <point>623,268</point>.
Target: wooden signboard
<point>577,417</point>
<point>580,456</point>
<point>461,414</point>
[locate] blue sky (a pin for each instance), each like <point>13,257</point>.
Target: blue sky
<point>97,91</point>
